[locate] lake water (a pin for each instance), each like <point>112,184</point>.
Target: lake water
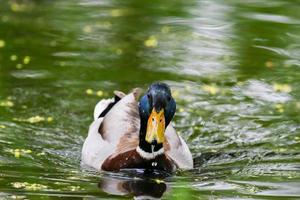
<point>234,70</point>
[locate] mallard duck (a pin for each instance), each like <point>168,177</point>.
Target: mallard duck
<point>129,132</point>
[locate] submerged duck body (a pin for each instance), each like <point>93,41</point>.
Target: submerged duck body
<point>132,133</point>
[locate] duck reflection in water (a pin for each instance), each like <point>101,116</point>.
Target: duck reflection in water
<point>144,185</point>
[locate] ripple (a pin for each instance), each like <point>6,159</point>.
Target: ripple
<point>66,54</point>
<point>286,189</point>
<point>31,74</point>
<point>259,90</point>
<point>271,18</point>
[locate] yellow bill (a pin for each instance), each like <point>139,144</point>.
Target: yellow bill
<point>156,127</point>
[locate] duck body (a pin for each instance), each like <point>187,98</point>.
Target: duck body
<point>132,133</point>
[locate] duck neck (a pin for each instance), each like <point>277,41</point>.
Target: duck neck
<point>146,150</point>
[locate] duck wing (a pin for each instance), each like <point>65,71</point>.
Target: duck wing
<point>120,126</point>
<point>176,149</point>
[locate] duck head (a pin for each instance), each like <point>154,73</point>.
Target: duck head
<point>156,108</point>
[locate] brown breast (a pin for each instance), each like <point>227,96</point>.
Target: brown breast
<point>131,159</point>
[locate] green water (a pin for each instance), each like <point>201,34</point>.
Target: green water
<point>234,69</point>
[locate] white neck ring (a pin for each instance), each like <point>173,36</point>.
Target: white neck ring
<point>147,155</point>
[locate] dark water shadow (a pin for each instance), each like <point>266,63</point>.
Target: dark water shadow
<point>141,184</point>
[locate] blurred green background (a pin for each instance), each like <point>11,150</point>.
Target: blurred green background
<point>234,70</point>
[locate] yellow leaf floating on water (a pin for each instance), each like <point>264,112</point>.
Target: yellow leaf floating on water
<point>87,29</point>
<point>282,87</point>
<point>100,93</point>
<point>119,51</point>
<point>26,60</point>
<point>269,64</point>
<point>49,119</point>
<point>158,181</point>
<point>6,103</point>
<point>19,66</point>
<point>74,188</point>
<point>41,154</point>
<point>298,105</point>
<point>279,108</point>
<point>19,185</point>
<point>151,42</point>
<point>116,12</point>
<point>2,43</point>
<point>89,91</point>
<point>282,150</point>
<point>175,93</point>
<point>13,57</point>
<point>26,151</point>
<point>28,186</point>
<point>165,29</point>
<point>36,119</point>
<point>18,152</point>
<point>211,89</point>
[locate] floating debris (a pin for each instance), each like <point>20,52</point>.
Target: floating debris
<point>282,150</point>
<point>2,43</point>
<point>18,185</point>
<point>18,152</point>
<point>41,154</point>
<point>2,126</point>
<point>282,87</point>
<point>151,42</point>
<point>20,7</point>
<point>13,57</point>
<point>28,186</point>
<point>19,66</point>
<point>211,89</point>
<point>89,91</point>
<point>87,29</point>
<point>158,181</point>
<point>26,151</point>
<point>74,188</point>
<point>116,12</point>
<point>26,60</point>
<point>49,119</point>
<point>35,119</point>
<point>165,29</point>
<point>119,51</point>
<point>6,103</point>
<point>279,108</point>
<point>24,106</point>
<point>100,93</point>
<point>240,83</point>
<point>18,197</point>
<point>175,93</point>
<point>269,64</point>
<point>298,105</point>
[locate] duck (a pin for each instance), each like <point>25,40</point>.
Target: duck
<point>134,130</point>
